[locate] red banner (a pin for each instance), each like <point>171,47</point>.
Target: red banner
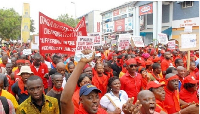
<point>120,25</point>
<point>58,37</point>
<point>146,9</point>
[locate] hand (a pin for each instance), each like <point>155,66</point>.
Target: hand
<point>86,52</point>
<point>117,111</point>
<point>192,109</point>
<point>130,108</point>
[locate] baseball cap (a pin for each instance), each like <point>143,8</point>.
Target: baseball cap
<point>87,89</point>
<point>190,79</point>
<point>154,84</point>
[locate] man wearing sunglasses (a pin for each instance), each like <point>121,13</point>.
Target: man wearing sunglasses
<point>131,81</point>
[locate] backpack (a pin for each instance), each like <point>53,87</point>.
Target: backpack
<point>5,104</point>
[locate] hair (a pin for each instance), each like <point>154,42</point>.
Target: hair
<point>188,85</point>
<point>119,57</point>
<point>151,89</point>
<point>108,63</point>
<point>126,56</point>
<point>169,70</point>
<point>69,64</point>
<point>143,69</point>
<point>36,55</point>
<point>52,77</point>
<point>110,82</point>
<point>34,77</point>
<point>82,76</point>
<point>97,65</point>
<point>5,57</point>
<point>177,61</point>
<point>56,56</point>
<point>155,66</point>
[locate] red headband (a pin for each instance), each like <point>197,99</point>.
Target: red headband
<point>171,78</point>
<point>20,61</point>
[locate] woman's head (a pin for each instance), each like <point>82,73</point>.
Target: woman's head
<point>84,79</point>
<point>190,87</point>
<point>114,84</point>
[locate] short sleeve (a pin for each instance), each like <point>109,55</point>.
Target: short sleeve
<point>125,95</point>
<point>104,102</point>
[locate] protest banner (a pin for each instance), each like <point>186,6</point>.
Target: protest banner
<point>123,41</point>
<point>113,42</point>
<point>27,52</point>
<point>84,42</point>
<point>58,37</point>
<point>97,38</point>
<point>138,42</point>
<point>171,44</point>
<point>162,38</point>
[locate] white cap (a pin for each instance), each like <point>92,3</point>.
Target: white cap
<point>25,69</point>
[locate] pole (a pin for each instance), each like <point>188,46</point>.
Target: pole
<point>188,60</point>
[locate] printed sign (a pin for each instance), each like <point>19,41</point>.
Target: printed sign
<point>138,42</point>
<point>57,37</point>
<point>97,38</point>
<point>27,52</point>
<point>188,29</point>
<point>188,41</point>
<point>146,9</point>
<point>162,38</point>
<point>172,44</point>
<point>120,25</point>
<point>84,42</point>
<point>124,40</point>
<point>116,12</point>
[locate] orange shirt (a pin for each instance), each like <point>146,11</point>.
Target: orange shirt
<point>2,65</point>
<point>165,64</point>
<point>160,106</point>
<point>75,98</point>
<point>188,96</point>
<point>81,110</point>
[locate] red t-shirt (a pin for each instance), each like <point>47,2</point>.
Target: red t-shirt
<point>165,64</point>
<point>188,96</point>
<point>131,85</point>
<point>160,106</point>
<point>43,69</point>
<point>16,76</point>
<point>2,65</point>
<point>81,110</point>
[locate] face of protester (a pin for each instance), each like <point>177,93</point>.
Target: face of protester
<point>115,85</point>
<point>37,61</point>
<point>181,73</point>
<point>9,68</point>
<point>13,61</point>
<point>193,89</point>
<point>180,63</point>
<point>115,59</point>
<point>106,68</point>
<point>159,93</point>
<point>35,89</point>
<point>71,68</point>
<point>175,53</point>
<point>19,65</point>
<point>72,58</point>
<point>58,80</point>
<point>85,81</point>
<point>100,69</point>
<point>15,55</point>
<point>131,68</point>
<point>90,102</point>
<point>25,76</point>
<point>168,55</point>
<point>192,66</point>
<point>144,73</point>
<point>158,70</point>
<point>173,84</point>
<point>88,70</point>
<point>61,69</point>
<point>148,102</point>
<point>5,61</point>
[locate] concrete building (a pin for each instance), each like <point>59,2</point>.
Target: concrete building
<point>149,18</point>
<point>93,21</point>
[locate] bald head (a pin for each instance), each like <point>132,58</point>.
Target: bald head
<point>169,75</point>
<point>60,65</point>
<point>144,93</point>
<point>180,68</point>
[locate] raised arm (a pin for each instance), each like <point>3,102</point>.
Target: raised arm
<point>67,106</point>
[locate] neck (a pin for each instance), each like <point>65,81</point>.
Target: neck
<point>116,93</point>
<point>170,89</point>
<point>38,101</point>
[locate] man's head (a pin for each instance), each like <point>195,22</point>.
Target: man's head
<point>192,66</point>
<point>20,63</point>
<point>37,59</point>
<point>181,71</point>
<point>131,65</point>
<point>71,67</point>
<point>55,59</point>
<point>13,61</point>
<point>9,67</point>
<point>179,62</point>
<point>156,68</point>
<point>23,56</point>
<point>171,70</point>
<point>60,67</point>
<point>157,89</point>
<point>190,83</point>
<point>167,55</point>
<point>99,68</point>
<point>25,73</point>
<point>35,87</point>
<point>72,58</point>
<point>89,98</point>
<point>114,59</point>
<point>57,80</point>
<point>148,101</point>
<point>88,70</point>
<point>172,81</point>
<point>107,66</point>
<point>175,53</point>
<point>4,60</point>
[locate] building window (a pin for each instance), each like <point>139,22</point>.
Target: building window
<point>187,4</point>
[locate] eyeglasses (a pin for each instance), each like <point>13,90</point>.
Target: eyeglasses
<point>132,65</point>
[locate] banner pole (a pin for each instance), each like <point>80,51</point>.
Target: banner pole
<point>188,60</point>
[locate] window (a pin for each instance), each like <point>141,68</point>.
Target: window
<point>187,4</point>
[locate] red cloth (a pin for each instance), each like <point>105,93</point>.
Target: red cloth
<point>156,59</point>
<point>109,74</point>
<point>131,85</point>
<point>172,101</point>
<point>11,82</point>
<point>81,110</point>
<point>43,69</point>
<point>2,65</point>
<point>188,96</point>
<point>144,83</point>
<point>21,87</point>
<point>75,98</point>
<point>165,64</point>
<point>162,58</point>
<point>16,77</point>
<point>160,106</point>
<point>58,90</point>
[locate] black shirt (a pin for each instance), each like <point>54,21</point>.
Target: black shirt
<point>116,68</point>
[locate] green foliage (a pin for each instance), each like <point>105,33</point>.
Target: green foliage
<point>10,24</point>
<point>68,20</point>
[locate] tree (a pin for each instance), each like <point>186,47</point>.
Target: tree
<point>10,24</point>
<point>68,20</point>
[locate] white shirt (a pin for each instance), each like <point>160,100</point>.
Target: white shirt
<point>64,82</point>
<point>48,64</point>
<point>105,102</point>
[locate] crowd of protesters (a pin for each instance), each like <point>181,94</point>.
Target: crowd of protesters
<point>148,80</point>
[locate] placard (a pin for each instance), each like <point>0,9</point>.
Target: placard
<point>172,44</point>
<point>188,41</point>
<point>162,38</point>
<point>27,52</point>
<point>84,42</point>
<point>97,38</point>
<point>138,42</point>
<point>188,29</point>
<point>123,41</point>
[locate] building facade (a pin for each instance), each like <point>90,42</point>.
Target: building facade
<point>93,21</point>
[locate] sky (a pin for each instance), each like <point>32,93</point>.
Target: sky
<point>54,8</point>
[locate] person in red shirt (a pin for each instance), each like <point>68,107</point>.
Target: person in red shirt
<point>145,77</point>
<point>40,69</point>
<point>193,69</point>
<point>10,76</point>
<point>166,62</point>
<point>4,61</point>
<point>20,63</point>
<point>157,73</point>
<point>178,62</point>
<point>162,57</point>
<point>131,82</point>
<point>88,96</point>
<point>189,91</point>
<point>159,92</point>
<point>156,60</point>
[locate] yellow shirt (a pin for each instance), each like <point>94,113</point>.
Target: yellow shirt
<point>50,106</point>
<point>9,96</point>
<point>121,74</point>
<point>14,69</point>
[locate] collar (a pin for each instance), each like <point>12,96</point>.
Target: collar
<point>127,74</point>
<point>120,92</point>
<point>44,99</point>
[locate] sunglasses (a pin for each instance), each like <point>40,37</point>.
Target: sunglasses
<point>132,65</point>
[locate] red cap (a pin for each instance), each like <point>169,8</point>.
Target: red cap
<point>148,62</point>
<point>191,55</point>
<point>131,61</point>
<point>156,59</point>
<point>190,79</point>
<point>154,84</point>
<point>14,51</point>
<point>162,51</point>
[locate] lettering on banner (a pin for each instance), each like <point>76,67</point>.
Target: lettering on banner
<point>86,42</point>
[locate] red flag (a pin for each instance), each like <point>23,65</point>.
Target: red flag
<point>58,37</point>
